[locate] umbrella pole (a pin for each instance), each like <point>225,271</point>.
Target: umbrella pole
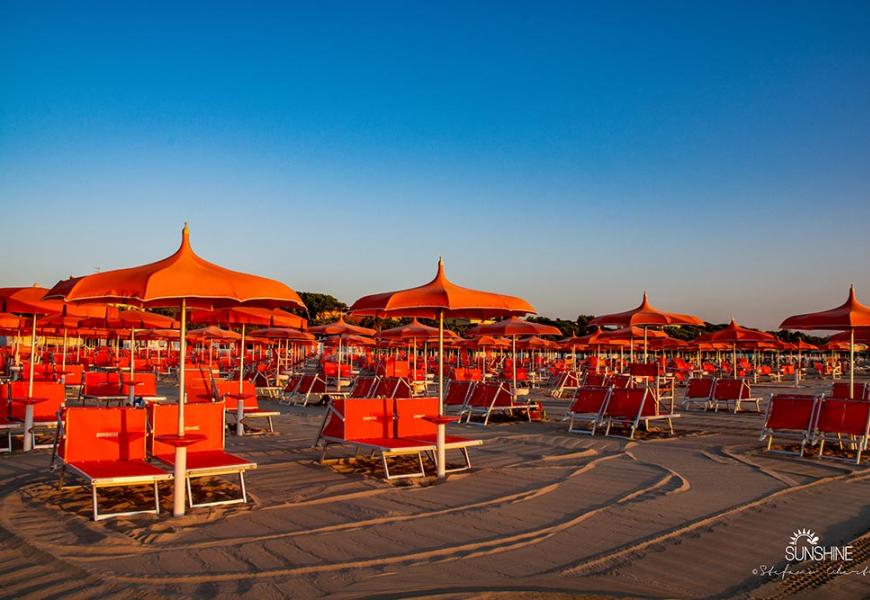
<point>734,360</point>
<point>441,437</point>
<point>180,475</point>
<point>242,359</point>
<point>852,363</point>
<point>132,392</point>
<point>63,358</point>
<point>28,409</point>
<point>514,362</point>
<point>415,358</point>
<point>644,344</point>
<point>240,401</point>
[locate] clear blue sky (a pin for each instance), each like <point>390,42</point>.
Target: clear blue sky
<point>715,154</point>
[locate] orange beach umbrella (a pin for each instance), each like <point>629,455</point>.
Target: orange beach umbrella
<point>438,299</point>
<point>184,280</point>
<point>645,316</point>
<point>849,316</point>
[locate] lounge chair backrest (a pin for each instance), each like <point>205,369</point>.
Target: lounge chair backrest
<point>622,381</point>
<point>364,387</point>
<point>731,389</point>
<point>841,390</point>
<point>589,399</point>
<point>502,396</point>
<point>102,383</point>
<point>489,394</point>
<point>360,418</point>
<point>293,384</point>
<point>204,418</point>
<point>596,379</point>
<point>392,387</point>
<point>457,392</point>
<point>849,417</point>
<point>148,387</point>
<point>700,387</point>
<point>43,411</point>
<point>224,387</point>
<point>103,434</point>
<point>197,386</point>
<point>629,402</point>
<point>643,369</point>
<point>790,411</point>
<point>74,375</point>
<point>410,413</point>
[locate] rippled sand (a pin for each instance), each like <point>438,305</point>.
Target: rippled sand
<point>543,513</point>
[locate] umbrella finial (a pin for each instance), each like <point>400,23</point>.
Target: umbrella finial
<point>440,273</point>
<point>185,235</point>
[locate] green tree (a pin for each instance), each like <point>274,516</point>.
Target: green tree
<point>321,307</point>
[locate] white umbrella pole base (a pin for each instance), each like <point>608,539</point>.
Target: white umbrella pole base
<point>178,506</point>
<point>440,442</point>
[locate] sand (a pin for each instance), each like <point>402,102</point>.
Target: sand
<point>544,513</point>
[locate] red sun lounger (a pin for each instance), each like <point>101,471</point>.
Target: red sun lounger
<point>310,386</point>
<point>45,413</point>
<point>106,448</point>
<point>490,398</point>
<point>412,424</point>
<point>368,424</point>
<point>205,458</point>
<point>458,392</point>
<point>734,392</point>
<point>588,406</point>
<point>629,407</point>
<point>251,404</point>
<point>699,391</point>
<point>364,387</point>
<point>843,418</point>
<point>792,416</point>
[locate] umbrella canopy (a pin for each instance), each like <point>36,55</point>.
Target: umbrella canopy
<point>415,330</point>
<point>861,336</point>
<point>282,318</point>
<point>535,342</point>
<point>246,315</point>
<point>514,326</point>
<point>341,327</point>
<point>283,333</point>
<point>212,332</point>
<point>9,321</point>
<point>181,276</point>
<point>833,346</point>
<point>736,335</point>
<point>177,280</point>
<point>160,334</point>
<point>486,341</point>
<point>849,315</point>
<point>593,339</point>
<point>646,314</point>
<point>629,334</point>
<point>846,317</point>
<point>438,299</point>
<point>805,346</point>
<point>349,339</point>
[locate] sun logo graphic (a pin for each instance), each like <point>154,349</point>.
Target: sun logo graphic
<point>804,545</point>
<point>808,534</point>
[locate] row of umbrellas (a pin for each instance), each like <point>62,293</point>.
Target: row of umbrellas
<point>186,281</point>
